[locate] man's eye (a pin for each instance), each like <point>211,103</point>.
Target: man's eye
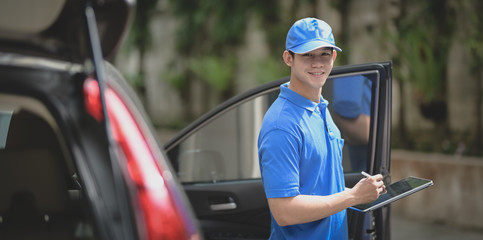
<point>307,55</point>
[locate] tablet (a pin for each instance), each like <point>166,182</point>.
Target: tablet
<point>396,191</point>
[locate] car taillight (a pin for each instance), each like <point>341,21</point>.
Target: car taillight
<point>162,216</point>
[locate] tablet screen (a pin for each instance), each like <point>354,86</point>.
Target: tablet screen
<point>396,191</point>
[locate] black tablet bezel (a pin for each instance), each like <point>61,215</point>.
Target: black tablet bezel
<point>396,191</point>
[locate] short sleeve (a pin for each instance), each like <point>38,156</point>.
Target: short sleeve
<point>279,157</point>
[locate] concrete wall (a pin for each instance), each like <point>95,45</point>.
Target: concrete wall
<point>457,195</point>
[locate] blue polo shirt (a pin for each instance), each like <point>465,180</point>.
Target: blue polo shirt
<point>300,152</point>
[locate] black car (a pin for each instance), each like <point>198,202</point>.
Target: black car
<point>216,156</point>
<point>78,159</point>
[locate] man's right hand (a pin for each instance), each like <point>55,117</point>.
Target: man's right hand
<point>368,189</point>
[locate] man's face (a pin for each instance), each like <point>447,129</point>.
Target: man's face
<point>310,70</point>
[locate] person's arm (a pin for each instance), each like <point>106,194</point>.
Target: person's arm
<point>354,130</point>
<point>307,208</point>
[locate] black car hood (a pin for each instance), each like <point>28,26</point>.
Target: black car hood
<point>56,28</point>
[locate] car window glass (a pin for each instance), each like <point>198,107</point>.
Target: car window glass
<point>350,98</point>
<point>5,117</point>
<point>225,148</point>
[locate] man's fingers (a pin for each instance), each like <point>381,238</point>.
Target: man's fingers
<point>378,177</point>
<point>381,190</point>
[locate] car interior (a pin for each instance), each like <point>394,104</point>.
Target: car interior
<point>41,195</point>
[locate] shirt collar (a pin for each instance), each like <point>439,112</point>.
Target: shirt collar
<point>300,100</point>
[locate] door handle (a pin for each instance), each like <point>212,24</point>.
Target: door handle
<point>223,206</point>
<point>222,203</point>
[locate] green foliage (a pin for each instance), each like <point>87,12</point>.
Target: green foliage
<point>426,71</point>
<point>210,30</point>
<point>136,80</point>
<point>475,35</point>
<point>217,23</point>
<point>207,25</point>
<point>140,34</point>
<point>270,69</point>
<point>140,38</point>
<point>215,71</point>
<point>423,41</point>
<point>175,80</point>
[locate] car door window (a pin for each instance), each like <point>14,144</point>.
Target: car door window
<point>350,97</point>
<point>224,148</point>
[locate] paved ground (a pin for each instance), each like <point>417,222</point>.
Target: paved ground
<point>403,229</point>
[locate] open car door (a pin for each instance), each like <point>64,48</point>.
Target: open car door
<point>216,157</point>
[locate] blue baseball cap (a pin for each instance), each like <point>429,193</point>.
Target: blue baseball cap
<point>309,34</point>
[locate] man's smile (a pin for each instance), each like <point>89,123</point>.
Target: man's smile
<point>317,73</point>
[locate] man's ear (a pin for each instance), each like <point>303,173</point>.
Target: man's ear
<point>287,58</point>
<point>334,55</point>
